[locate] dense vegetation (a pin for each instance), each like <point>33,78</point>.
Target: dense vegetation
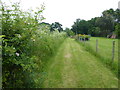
<point>26,45</point>
<point>107,24</point>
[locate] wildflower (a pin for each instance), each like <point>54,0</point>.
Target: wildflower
<point>33,40</point>
<point>17,54</point>
<point>19,36</point>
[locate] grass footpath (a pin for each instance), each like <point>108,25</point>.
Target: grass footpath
<point>74,67</point>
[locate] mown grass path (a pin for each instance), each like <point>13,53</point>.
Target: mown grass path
<point>73,67</point>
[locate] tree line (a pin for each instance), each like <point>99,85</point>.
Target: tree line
<point>108,23</point>
<point>104,26</point>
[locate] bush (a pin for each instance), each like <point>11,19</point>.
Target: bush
<point>25,46</point>
<point>82,37</point>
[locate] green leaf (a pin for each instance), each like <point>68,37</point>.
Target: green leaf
<point>1,36</point>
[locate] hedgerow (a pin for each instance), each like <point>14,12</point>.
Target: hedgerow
<point>25,46</point>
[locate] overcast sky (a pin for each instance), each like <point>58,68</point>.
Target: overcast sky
<point>67,11</point>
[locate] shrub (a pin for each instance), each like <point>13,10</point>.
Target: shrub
<point>25,46</point>
<point>82,37</point>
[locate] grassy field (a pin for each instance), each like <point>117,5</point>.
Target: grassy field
<point>74,67</point>
<point>104,50</point>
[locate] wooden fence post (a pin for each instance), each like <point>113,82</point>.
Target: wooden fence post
<point>96,45</point>
<point>113,51</point>
<point>84,40</point>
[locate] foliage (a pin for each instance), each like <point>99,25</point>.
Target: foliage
<point>105,24</point>
<point>25,45</point>
<point>98,26</point>
<point>80,27</point>
<point>117,30</point>
<point>56,26</point>
<point>94,31</point>
<point>69,32</point>
<point>82,37</point>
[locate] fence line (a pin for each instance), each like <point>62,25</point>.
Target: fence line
<point>96,45</point>
<point>113,48</point>
<point>113,51</point>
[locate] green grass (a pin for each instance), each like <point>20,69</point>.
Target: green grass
<point>105,47</point>
<point>104,51</point>
<point>74,67</point>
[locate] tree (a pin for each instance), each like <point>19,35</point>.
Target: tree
<point>80,27</point>
<point>57,26</point>
<point>69,32</point>
<point>92,28</point>
<point>106,24</point>
<point>117,30</point>
<point>117,15</point>
<point>44,25</point>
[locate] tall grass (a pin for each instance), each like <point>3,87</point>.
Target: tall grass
<point>43,49</point>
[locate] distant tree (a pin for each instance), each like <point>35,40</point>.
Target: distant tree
<point>109,12</point>
<point>69,32</point>
<point>108,21</point>
<point>106,24</point>
<point>117,30</point>
<point>92,28</point>
<point>57,26</point>
<point>94,31</point>
<point>44,25</point>
<point>75,26</point>
<point>117,15</point>
<point>80,27</point>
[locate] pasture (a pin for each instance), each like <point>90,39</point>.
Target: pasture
<point>104,51</point>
